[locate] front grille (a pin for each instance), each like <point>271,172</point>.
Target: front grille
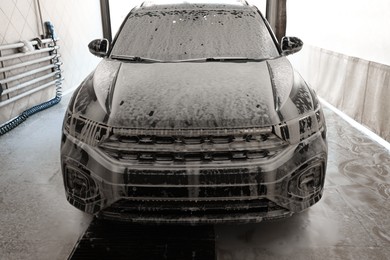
<point>199,185</point>
<point>146,149</point>
<point>190,140</point>
<point>182,178</point>
<point>210,207</point>
<point>145,157</point>
<point>172,212</point>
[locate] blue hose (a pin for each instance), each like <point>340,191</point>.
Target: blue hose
<point>29,112</point>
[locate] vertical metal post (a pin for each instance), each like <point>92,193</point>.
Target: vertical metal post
<point>106,19</point>
<point>276,15</point>
<point>41,27</point>
<point>4,77</point>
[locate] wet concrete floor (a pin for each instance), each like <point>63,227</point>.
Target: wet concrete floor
<point>352,221</point>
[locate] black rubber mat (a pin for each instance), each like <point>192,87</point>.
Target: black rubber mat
<point>116,240</point>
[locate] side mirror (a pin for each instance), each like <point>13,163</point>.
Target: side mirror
<point>99,47</point>
<point>291,45</point>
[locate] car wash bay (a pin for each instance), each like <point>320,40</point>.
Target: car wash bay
<point>350,222</point>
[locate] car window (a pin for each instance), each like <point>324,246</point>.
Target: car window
<point>182,34</point>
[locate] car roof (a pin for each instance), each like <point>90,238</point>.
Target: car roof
<point>169,5</point>
<point>175,2</point>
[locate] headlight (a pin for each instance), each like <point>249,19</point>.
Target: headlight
<point>86,131</point>
<point>297,130</point>
<point>320,118</point>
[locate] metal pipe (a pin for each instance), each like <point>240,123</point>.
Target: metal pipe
<point>29,73</point>
<point>21,55</point>
<point>32,62</point>
<point>28,93</point>
<point>276,15</point>
<point>40,17</point>
<point>21,44</point>
<point>29,83</point>
<point>106,19</point>
<point>4,75</point>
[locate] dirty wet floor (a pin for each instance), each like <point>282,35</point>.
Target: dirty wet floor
<point>350,222</point>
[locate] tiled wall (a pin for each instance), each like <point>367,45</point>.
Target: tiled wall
<point>17,20</point>
<point>76,23</point>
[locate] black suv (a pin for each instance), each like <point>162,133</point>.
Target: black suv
<point>194,115</point>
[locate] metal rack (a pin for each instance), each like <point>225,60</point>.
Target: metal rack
<point>25,73</point>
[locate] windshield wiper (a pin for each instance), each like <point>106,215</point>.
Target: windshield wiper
<point>134,58</point>
<point>211,59</point>
<point>227,59</point>
<point>236,59</point>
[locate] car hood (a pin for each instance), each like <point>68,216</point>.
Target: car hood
<point>193,95</point>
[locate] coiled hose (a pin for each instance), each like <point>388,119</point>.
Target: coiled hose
<point>5,128</point>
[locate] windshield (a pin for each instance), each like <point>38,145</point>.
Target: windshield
<point>194,33</point>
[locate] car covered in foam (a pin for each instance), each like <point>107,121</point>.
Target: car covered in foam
<point>195,115</point>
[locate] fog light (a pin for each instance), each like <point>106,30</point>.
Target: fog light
<point>311,180</point>
<point>79,184</point>
<point>308,180</point>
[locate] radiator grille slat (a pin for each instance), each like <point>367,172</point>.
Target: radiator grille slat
<point>185,149</point>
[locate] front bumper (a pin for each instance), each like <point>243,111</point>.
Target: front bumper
<point>249,191</point>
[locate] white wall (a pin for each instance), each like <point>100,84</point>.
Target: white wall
<point>358,28</point>
<point>346,58</point>
<point>76,23</point>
